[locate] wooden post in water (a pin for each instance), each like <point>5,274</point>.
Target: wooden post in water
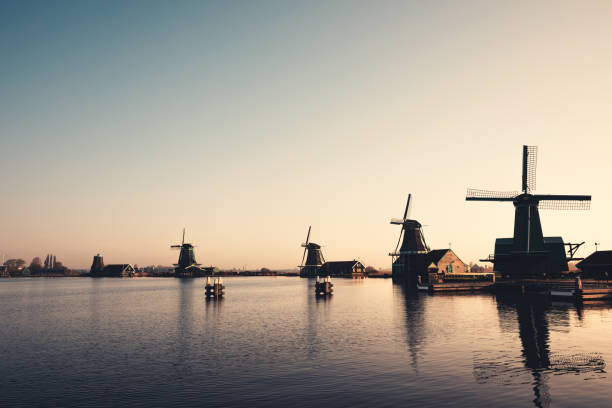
<point>324,288</point>
<point>214,290</point>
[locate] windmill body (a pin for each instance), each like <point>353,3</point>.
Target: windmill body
<point>187,265</point>
<point>529,252</point>
<point>313,256</point>
<point>412,246</point>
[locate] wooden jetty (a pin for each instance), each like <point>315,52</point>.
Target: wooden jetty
<point>582,290</point>
<point>457,287</point>
<point>325,287</point>
<point>215,289</point>
<point>456,282</point>
<point>575,290</point>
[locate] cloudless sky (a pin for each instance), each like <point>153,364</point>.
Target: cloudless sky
<point>121,122</point>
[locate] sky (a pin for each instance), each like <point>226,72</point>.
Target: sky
<point>245,122</point>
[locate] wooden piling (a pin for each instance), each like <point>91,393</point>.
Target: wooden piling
<point>215,289</point>
<point>324,288</point>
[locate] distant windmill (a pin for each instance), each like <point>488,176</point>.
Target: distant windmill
<point>186,262</point>
<point>313,255</point>
<point>529,252</point>
<point>413,241</point>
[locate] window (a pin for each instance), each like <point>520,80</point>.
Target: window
<point>449,268</point>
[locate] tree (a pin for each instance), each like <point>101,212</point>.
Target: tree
<point>370,270</point>
<point>15,263</point>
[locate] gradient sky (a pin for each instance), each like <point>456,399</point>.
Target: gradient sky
<point>245,122</point>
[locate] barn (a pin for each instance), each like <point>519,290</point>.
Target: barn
<point>116,271</point>
<point>438,261</point>
<point>342,268</point>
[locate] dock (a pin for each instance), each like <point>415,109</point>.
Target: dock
<point>463,282</point>
<point>326,287</point>
<point>573,290</point>
<point>456,287</point>
<point>215,289</point>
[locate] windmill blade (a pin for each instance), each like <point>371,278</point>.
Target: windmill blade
<point>407,206</point>
<point>530,161</point>
<point>397,221</point>
<point>303,256</point>
<point>176,246</point>
<point>398,240</point>
<point>308,235</point>
<point>561,197</point>
<point>183,237</point>
<point>487,195</point>
<point>564,205</point>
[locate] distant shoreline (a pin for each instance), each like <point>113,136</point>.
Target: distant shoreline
<point>379,275</point>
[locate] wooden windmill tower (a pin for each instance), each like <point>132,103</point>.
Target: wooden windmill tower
<point>529,252</point>
<point>413,243</point>
<point>187,264</point>
<point>314,257</point>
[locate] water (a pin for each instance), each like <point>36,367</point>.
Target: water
<point>148,342</point>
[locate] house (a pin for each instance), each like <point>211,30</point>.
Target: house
<point>342,268</point>
<point>437,261</point>
<point>4,272</point>
<point>115,271</point>
<point>598,265</point>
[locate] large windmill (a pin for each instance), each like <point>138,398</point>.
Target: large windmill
<point>313,255</point>
<point>413,243</point>
<point>187,264</point>
<point>528,252</point>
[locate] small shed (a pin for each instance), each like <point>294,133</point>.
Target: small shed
<point>598,265</point>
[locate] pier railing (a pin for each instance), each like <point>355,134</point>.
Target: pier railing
<point>488,276</point>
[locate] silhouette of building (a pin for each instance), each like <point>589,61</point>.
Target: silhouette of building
<point>598,265</point>
<point>342,268</point>
<point>117,271</point>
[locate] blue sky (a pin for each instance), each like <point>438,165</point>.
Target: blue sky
<point>123,122</point>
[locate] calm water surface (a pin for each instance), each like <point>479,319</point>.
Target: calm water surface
<point>270,343</point>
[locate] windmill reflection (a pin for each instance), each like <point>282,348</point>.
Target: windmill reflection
<point>415,321</point>
<point>534,316</point>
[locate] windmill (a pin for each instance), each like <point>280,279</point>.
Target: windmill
<point>413,242</point>
<point>528,252</point>
<point>313,255</point>
<point>186,263</point>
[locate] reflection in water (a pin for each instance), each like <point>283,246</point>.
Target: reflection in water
<point>533,316</point>
<point>158,342</point>
<point>185,327</point>
<point>317,308</point>
<point>415,321</point>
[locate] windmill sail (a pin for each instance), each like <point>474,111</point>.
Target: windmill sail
<point>530,161</point>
